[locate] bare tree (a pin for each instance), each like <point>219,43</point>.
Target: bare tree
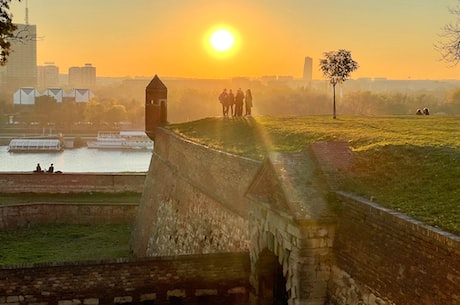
<point>337,67</point>
<point>449,45</point>
<point>7,28</point>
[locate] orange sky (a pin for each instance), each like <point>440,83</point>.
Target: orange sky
<point>391,38</point>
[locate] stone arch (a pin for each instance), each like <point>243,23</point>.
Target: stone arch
<point>271,282</point>
<point>302,250</point>
<point>270,267</point>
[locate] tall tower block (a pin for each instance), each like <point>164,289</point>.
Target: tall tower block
<point>307,69</point>
<point>156,102</point>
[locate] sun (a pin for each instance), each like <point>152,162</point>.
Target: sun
<point>222,40</point>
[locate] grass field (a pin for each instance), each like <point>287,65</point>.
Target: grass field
<point>61,243</point>
<point>407,163</point>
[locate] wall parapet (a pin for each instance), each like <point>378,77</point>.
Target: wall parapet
<point>392,255</point>
<point>20,215</point>
<point>28,182</point>
<point>193,279</point>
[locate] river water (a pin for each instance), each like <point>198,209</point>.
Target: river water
<point>77,160</point>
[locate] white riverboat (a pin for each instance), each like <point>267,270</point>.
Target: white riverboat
<point>121,140</point>
<point>35,145</point>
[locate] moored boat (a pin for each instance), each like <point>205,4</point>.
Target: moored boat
<point>35,145</point>
<point>121,140</point>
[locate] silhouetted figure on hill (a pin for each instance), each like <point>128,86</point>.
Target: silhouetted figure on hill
<point>248,101</point>
<point>51,169</point>
<point>231,101</point>
<point>239,101</point>
<point>223,97</point>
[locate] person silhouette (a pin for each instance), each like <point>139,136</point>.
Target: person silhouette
<point>51,168</point>
<point>223,101</point>
<point>38,169</point>
<point>248,100</point>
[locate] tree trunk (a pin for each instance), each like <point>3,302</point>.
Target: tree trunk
<point>334,111</point>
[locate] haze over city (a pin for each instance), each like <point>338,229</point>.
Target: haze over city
<point>393,39</point>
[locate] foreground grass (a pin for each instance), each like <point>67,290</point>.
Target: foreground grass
<point>407,163</point>
<point>109,198</point>
<point>63,243</point>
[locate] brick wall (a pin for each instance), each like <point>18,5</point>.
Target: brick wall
<point>15,182</point>
<point>204,279</point>
<point>194,200</point>
<point>391,256</point>
<point>12,216</point>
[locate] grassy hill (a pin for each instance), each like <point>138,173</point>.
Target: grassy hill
<point>407,163</point>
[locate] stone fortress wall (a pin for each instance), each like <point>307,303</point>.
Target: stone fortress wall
<point>194,279</point>
<point>26,215</point>
<point>194,201</point>
<point>29,182</point>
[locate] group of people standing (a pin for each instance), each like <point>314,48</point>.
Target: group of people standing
<point>233,102</point>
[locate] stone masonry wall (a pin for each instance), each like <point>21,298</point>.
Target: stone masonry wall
<point>206,279</point>
<point>193,201</point>
<point>17,182</point>
<point>383,255</point>
<point>13,216</point>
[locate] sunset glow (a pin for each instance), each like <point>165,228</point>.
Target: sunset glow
<point>182,38</point>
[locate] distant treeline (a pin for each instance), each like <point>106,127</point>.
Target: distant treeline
<point>191,104</point>
<point>125,103</point>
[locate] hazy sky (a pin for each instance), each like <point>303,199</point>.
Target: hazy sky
<point>388,38</point>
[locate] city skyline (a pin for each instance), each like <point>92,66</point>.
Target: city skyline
<point>390,39</point>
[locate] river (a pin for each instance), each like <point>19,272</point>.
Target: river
<point>77,160</point>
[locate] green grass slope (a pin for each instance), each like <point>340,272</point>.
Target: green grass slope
<point>407,163</point>
<point>64,243</point>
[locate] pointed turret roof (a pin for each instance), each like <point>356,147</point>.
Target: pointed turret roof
<point>156,83</point>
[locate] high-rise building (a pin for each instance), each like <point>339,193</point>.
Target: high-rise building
<point>308,69</point>
<point>48,76</point>
<point>21,68</point>
<point>82,77</point>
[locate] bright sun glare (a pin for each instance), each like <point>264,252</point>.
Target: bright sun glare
<point>222,40</point>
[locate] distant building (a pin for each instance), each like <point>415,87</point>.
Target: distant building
<point>82,76</point>
<point>308,69</point>
<point>21,68</point>
<point>48,75</point>
<point>27,96</point>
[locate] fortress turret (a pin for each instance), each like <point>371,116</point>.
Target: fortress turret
<point>156,102</point>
